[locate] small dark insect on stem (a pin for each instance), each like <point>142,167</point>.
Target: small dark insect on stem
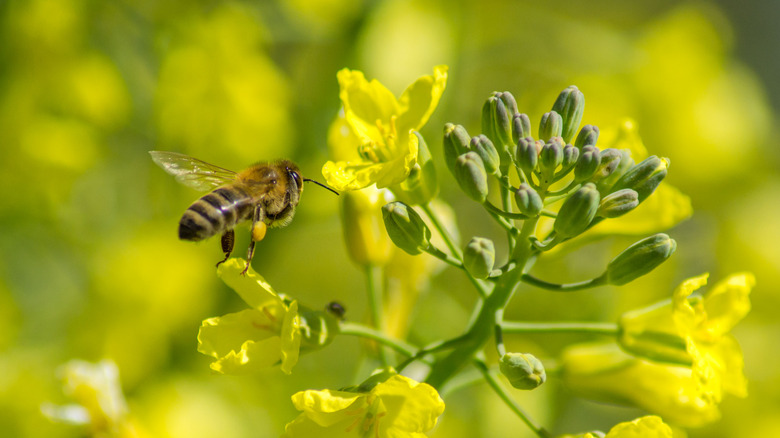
<point>321,185</point>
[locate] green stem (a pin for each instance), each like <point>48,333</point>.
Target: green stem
<point>457,260</point>
<point>373,282</point>
<point>482,326</point>
<point>568,287</point>
<point>506,203</point>
<point>442,231</point>
<point>599,328</point>
<point>493,209</point>
<point>507,398</point>
<point>363,331</point>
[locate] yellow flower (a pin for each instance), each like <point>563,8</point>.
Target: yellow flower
<point>364,230</point>
<point>100,404</point>
<point>386,150</point>
<point>693,329</point>
<point>649,426</point>
<point>692,357</point>
<point>255,338</point>
<point>605,373</point>
<point>399,407</point>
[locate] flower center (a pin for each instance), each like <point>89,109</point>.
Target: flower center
<point>384,148</point>
<point>367,418</point>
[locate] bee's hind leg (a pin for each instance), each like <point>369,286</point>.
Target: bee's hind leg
<point>228,239</point>
<point>258,233</point>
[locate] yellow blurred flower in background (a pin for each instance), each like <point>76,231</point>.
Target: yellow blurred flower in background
<point>100,406</point>
<point>382,124</point>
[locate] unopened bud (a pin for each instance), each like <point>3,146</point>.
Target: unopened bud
<point>639,259</point>
<point>610,159</point>
<point>318,328</point>
<point>577,211</point>
<point>626,162</point>
<point>551,155</point>
<point>588,136</point>
<point>645,177</point>
<point>528,200</point>
<point>406,228</point>
<point>570,105</point>
<point>487,151</point>
<point>587,164</point>
<point>497,114</point>
<point>523,370</point>
<point>471,176</point>
<point>618,203</point>
<point>550,126</point>
<point>526,155</point>
<point>521,127</point>
<point>570,157</point>
<point>479,257</point>
<point>456,142</point>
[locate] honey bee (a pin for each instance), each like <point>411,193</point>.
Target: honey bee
<point>266,193</point>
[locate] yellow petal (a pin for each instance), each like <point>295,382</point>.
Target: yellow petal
<point>727,303</point>
<point>413,407</point>
<point>290,338</point>
<point>420,99</point>
<point>645,427</point>
<point>252,287</point>
<point>365,102</point>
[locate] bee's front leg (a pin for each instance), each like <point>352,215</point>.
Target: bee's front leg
<point>228,239</point>
<point>257,232</point>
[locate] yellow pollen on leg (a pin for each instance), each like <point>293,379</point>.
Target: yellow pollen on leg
<point>258,231</point>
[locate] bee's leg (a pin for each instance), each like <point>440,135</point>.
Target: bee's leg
<point>228,239</point>
<point>257,232</point>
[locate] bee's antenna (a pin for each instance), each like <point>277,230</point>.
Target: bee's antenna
<point>321,185</point>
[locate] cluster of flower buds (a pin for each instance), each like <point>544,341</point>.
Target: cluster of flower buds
<point>595,184</point>
<point>562,168</point>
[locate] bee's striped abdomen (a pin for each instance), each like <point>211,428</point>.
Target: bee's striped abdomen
<point>215,213</point>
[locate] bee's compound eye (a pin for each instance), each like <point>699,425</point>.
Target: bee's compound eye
<point>296,177</point>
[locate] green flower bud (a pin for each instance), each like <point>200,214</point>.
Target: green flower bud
<point>471,176</point>
<point>577,211</point>
<point>570,105</point>
<point>497,114</point>
<point>587,136</point>
<point>587,164</point>
<point>570,157</point>
<point>456,142</point>
<point>422,184</point>
<point>523,370</point>
<point>550,126</point>
<point>318,328</point>
<point>551,155</point>
<point>625,163</point>
<point>618,203</point>
<point>528,200</point>
<point>526,155</point>
<point>610,159</point>
<point>487,151</point>
<point>521,127</point>
<point>645,177</point>
<point>479,257</point>
<point>406,228</point>
<point>639,259</point>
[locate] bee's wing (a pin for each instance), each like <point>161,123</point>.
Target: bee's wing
<point>192,172</point>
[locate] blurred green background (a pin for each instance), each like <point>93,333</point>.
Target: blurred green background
<point>90,266</point>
